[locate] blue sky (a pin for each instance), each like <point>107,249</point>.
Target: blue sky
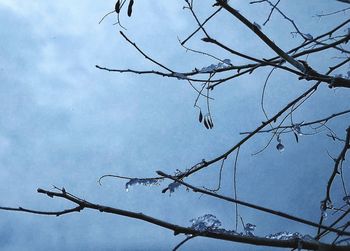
<point>66,123</point>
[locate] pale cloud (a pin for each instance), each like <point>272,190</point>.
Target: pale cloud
<point>59,17</point>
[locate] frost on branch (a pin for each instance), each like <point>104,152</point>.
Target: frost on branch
<point>284,236</point>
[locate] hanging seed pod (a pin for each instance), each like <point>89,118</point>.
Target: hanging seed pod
<point>296,137</point>
<point>280,147</point>
<point>210,122</point>
<point>200,117</point>
<point>130,7</point>
<point>206,123</point>
<point>117,6</point>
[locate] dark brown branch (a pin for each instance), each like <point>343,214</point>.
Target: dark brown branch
<point>275,62</point>
<point>274,118</point>
<point>327,202</point>
<point>135,71</point>
<point>310,73</point>
<point>328,33</point>
<point>183,242</point>
<point>333,12</point>
<point>271,11</point>
<point>337,164</point>
<point>200,26</point>
<point>250,205</point>
<point>262,36</point>
<point>333,224</point>
<point>274,7</point>
<point>177,229</point>
<point>344,1</point>
<point>262,126</point>
<point>56,213</point>
<point>211,40</point>
<point>184,76</point>
<point>323,121</point>
<point>147,57</point>
<point>261,62</point>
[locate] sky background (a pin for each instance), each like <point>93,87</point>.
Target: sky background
<point>65,123</point>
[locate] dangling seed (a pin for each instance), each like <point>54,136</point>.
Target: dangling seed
<point>200,117</point>
<point>206,123</point>
<point>296,137</point>
<point>210,122</point>
<point>130,7</point>
<point>117,6</point>
<point>280,147</point>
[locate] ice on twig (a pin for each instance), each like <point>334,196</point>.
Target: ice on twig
<point>213,67</point>
<point>209,223</point>
<point>249,229</point>
<point>206,222</point>
<point>137,181</point>
<point>284,236</point>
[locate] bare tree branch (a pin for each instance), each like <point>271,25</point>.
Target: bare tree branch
<point>177,229</point>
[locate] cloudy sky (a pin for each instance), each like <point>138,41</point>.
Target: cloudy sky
<point>65,123</point>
